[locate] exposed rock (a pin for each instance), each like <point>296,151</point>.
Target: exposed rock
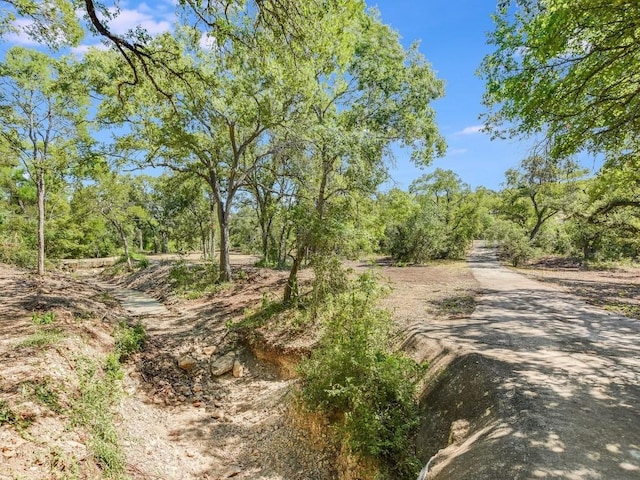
<point>232,472</point>
<point>459,432</point>
<point>208,351</point>
<point>187,363</point>
<point>218,414</point>
<point>222,365</point>
<point>238,369</point>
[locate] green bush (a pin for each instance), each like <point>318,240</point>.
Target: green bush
<point>194,281</point>
<point>513,240</point>
<point>366,390</point>
<point>128,339</point>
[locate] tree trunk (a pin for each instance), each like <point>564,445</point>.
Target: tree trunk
<point>125,246</point>
<point>291,288</point>
<point>40,187</point>
<point>225,264</point>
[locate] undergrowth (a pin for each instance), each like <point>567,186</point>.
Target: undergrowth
<point>356,379</point>
<point>99,390</point>
<point>193,281</point>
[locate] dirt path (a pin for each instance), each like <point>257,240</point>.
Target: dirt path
<point>543,385</point>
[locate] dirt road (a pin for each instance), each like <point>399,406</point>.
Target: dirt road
<point>541,386</point>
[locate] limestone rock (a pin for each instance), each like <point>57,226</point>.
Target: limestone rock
<point>223,364</point>
<point>238,369</point>
<point>187,363</point>
<point>208,351</point>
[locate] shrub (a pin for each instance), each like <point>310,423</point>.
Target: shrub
<point>514,243</point>
<point>366,390</point>
<point>128,339</point>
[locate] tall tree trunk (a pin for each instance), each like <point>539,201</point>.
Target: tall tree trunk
<point>40,187</point>
<point>211,240</point>
<point>225,264</point>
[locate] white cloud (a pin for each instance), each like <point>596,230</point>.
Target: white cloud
<point>20,36</point>
<point>456,151</point>
<point>207,42</point>
<point>129,19</point>
<point>82,49</point>
<point>472,130</point>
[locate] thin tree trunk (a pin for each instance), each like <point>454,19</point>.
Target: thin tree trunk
<point>125,245</point>
<point>225,264</point>
<point>291,288</point>
<point>40,186</point>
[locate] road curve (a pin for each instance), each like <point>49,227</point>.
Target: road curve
<point>557,390</point>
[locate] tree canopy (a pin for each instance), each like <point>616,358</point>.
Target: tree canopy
<point>569,70</point>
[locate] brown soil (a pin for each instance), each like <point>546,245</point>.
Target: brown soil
<point>479,396</point>
<point>177,424</point>
<point>617,290</point>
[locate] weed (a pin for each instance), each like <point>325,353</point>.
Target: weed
<point>112,367</point>
<point>6,414</point>
<point>42,337</point>
<point>195,281</point>
<point>45,392</point>
<point>99,391</point>
<point>46,318</point>
<point>129,339</point>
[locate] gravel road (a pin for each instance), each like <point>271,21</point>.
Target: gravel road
<point>542,385</point>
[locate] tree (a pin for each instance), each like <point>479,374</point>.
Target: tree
<point>369,93</point>
<point>438,219</point>
<point>53,22</point>
<point>43,120</point>
<point>569,69</point>
<point>218,127</point>
<point>114,197</point>
<point>539,189</point>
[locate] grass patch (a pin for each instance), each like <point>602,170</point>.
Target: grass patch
<point>44,392</point>
<point>193,281</point>
<point>128,339</point>
<point>6,414</point>
<point>99,390</point>
<point>42,337</point>
<point>46,318</point>
<point>631,311</point>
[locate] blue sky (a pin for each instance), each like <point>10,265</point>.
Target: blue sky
<point>452,35</point>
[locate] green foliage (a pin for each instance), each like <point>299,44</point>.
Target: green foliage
<point>439,219</point>
<point>99,390</point>
<point>195,280</point>
<point>367,391</point>
<point>46,392</point>
<point>558,68</point>
<point>6,414</point>
<point>128,339</point>
<point>514,243</point>
<point>42,337</point>
<point>45,318</point>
